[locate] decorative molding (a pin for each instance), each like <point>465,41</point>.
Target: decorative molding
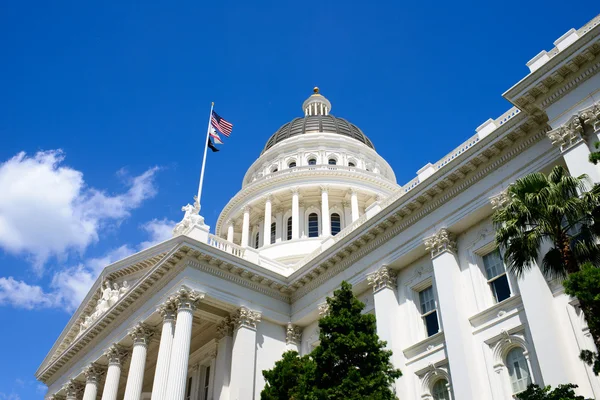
<point>186,299</point>
<point>568,135</point>
<point>141,334</point>
<point>245,317</point>
<point>499,200</point>
<point>591,116</point>
<point>441,242</point>
<point>324,188</point>
<point>225,328</point>
<point>323,309</point>
<point>383,278</point>
<point>116,354</point>
<point>93,372</point>
<point>431,377</point>
<point>167,310</point>
<point>110,295</point>
<point>73,389</point>
<point>293,334</point>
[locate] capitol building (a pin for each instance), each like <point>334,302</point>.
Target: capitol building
<point>201,315</point>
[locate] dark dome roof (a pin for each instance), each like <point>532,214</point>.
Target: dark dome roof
<point>317,123</point>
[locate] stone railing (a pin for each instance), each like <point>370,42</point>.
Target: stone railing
<point>457,151</point>
<point>259,176</point>
<point>225,246</point>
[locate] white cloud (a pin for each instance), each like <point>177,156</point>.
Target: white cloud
<point>159,231</point>
<point>47,210</point>
<point>22,295</point>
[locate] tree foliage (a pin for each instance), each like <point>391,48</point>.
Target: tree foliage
<point>349,363</point>
<point>562,392</point>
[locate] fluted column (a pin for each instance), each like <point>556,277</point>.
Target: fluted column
<point>230,231</point>
<point>72,389</point>
<point>354,204</point>
<point>186,301</point>
<point>161,373</point>
<point>246,227</point>
<point>267,227</point>
<point>243,355</point>
<point>295,214</point>
<point>92,380</point>
<point>222,374</point>
<point>116,356</point>
<point>325,217</point>
<point>293,335</point>
<point>141,335</point>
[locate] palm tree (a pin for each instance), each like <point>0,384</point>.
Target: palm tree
<point>558,209</point>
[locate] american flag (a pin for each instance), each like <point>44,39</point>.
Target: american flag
<point>220,124</point>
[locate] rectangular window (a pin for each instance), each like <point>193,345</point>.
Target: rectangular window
<point>289,228</point>
<point>273,232</point>
<point>206,382</point>
<point>188,390</point>
<point>429,311</point>
<point>496,275</point>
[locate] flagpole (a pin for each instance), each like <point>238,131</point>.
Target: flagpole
<point>205,150</point>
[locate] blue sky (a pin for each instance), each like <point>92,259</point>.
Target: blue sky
<point>104,110</point>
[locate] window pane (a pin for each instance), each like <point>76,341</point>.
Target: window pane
<point>313,225</point>
<point>431,323</point>
<point>312,161</point>
<point>332,161</point>
<point>440,390</point>
<point>518,370</point>
<point>256,239</point>
<point>206,382</point>
<point>427,300</point>
<point>351,164</point>
<point>188,390</point>
<point>500,288</point>
<point>336,224</point>
<point>289,228</point>
<point>493,263</point>
<point>273,231</point>
<point>292,164</point>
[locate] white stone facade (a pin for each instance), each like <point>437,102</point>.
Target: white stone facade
<point>202,315</point>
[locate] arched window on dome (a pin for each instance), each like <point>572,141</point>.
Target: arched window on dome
<point>289,228</point>
<point>351,164</point>
<point>313,225</point>
<point>292,164</point>
<point>274,169</point>
<point>273,232</point>
<point>256,240</point>
<point>336,224</point>
<point>440,390</point>
<point>312,161</point>
<point>518,370</point>
<point>332,161</point>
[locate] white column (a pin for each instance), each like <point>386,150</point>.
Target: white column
<point>354,204</point>
<point>141,335</point>
<point>293,337</point>
<point>230,231</point>
<point>222,374</point>
<point>386,312</point>
<point>246,227</point>
<point>295,213</point>
<point>187,301</point>
<point>116,357</point>
<point>325,217</point>
<point>280,229</point>
<point>92,380</point>
<point>267,227</point>
<point>243,354</point>
<point>455,322</point>
<point>161,373</point>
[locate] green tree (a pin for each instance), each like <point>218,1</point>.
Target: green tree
<point>562,392</point>
<point>557,208</point>
<point>349,363</point>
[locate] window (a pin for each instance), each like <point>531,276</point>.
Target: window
<point>518,370</point>
<point>496,275</point>
<point>313,225</point>
<point>274,169</point>
<point>206,383</point>
<point>336,224</point>
<point>273,232</point>
<point>256,240</point>
<point>312,161</point>
<point>351,164</point>
<point>188,390</point>
<point>428,311</point>
<point>440,390</point>
<point>332,161</point>
<point>292,164</point>
<point>289,228</point>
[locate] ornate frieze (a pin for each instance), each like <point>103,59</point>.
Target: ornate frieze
<point>225,328</point>
<point>246,317</point>
<point>568,135</point>
<point>190,219</point>
<point>442,241</point>
<point>116,354</point>
<point>500,200</point>
<point>111,294</point>
<point>293,334</point>
<point>186,298</point>
<point>141,333</point>
<point>383,278</point>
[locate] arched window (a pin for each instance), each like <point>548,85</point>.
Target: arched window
<point>312,161</point>
<point>256,240</point>
<point>313,225</point>
<point>518,370</point>
<point>336,224</point>
<point>440,390</point>
<point>351,164</point>
<point>274,169</point>
<point>273,232</point>
<point>289,228</point>
<point>332,161</point>
<point>292,164</point>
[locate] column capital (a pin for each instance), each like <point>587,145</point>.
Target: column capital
<point>229,223</point>
<point>324,188</point>
<point>73,388</point>
<point>500,200</point>
<point>246,317</point>
<point>141,334</point>
<point>93,372</point>
<point>591,116</point>
<point>225,328</point>
<point>567,135</point>
<point>186,298</point>
<point>268,198</point>
<point>116,354</point>
<point>353,191</point>
<point>167,310</point>
<point>323,309</point>
<point>246,209</point>
<point>293,334</point>
<point>383,278</point>
<point>441,242</point>
<point>295,190</point>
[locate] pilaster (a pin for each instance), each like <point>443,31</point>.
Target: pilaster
<point>293,336</point>
<point>243,358</point>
